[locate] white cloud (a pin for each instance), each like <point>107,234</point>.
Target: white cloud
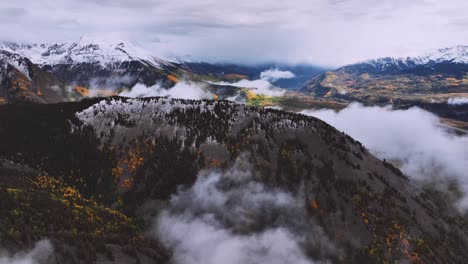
<point>231,217</point>
<point>41,251</point>
<point>273,75</point>
<point>458,101</point>
<point>426,151</point>
<point>260,86</point>
<point>183,90</point>
<point>331,32</point>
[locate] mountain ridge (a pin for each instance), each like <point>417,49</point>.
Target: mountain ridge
<point>134,154</point>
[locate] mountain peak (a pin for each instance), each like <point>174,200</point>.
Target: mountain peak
<point>85,50</point>
<point>456,54</point>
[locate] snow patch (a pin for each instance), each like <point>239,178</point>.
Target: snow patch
<point>458,101</point>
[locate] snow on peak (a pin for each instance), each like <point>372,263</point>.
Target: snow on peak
<point>15,60</point>
<point>457,54</point>
<point>85,50</point>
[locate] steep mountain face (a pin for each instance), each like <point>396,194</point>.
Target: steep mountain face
<point>22,80</point>
<point>435,77</point>
<point>130,156</point>
<point>92,63</point>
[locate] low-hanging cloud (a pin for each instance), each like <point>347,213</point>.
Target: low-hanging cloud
<point>112,84</point>
<point>273,75</point>
<point>183,90</point>
<point>39,254</point>
<point>263,85</point>
<point>413,137</point>
<point>231,217</point>
<point>458,101</point>
<point>260,86</point>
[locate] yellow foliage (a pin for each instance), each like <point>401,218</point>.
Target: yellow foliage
<point>71,192</point>
<point>251,95</point>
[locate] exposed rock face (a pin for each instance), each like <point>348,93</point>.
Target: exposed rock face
<point>21,80</point>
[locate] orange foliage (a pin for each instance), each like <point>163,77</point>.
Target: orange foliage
<point>172,78</point>
<point>216,163</point>
<point>117,172</point>
<point>22,84</point>
<point>134,160</point>
<point>126,184</point>
<point>87,92</point>
<point>81,90</point>
<point>314,204</point>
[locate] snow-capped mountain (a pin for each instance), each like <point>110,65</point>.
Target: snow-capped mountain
<point>84,50</point>
<point>96,64</point>
<point>455,55</point>
<point>22,80</point>
<point>381,81</point>
<point>15,60</point>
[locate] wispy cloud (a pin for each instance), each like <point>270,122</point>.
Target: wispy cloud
<point>425,151</point>
<point>231,217</point>
<point>184,90</point>
<point>39,254</point>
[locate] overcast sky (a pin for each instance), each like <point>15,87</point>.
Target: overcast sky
<point>326,32</point>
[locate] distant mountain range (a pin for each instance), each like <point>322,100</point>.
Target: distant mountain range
<point>75,68</point>
<point>429,81</point>
<point>49,73</point>
<point>441,72</point>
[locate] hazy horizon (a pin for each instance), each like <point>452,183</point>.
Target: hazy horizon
<point>320,32</point>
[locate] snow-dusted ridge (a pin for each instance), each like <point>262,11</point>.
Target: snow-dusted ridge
<point>84,50</point>
<point>15,60</point>
<point>457,54</point>
<point>153,115</point>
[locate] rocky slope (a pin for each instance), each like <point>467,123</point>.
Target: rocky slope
<point>92,63</point>
<point>21,80</point>
<point>111,166</point>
